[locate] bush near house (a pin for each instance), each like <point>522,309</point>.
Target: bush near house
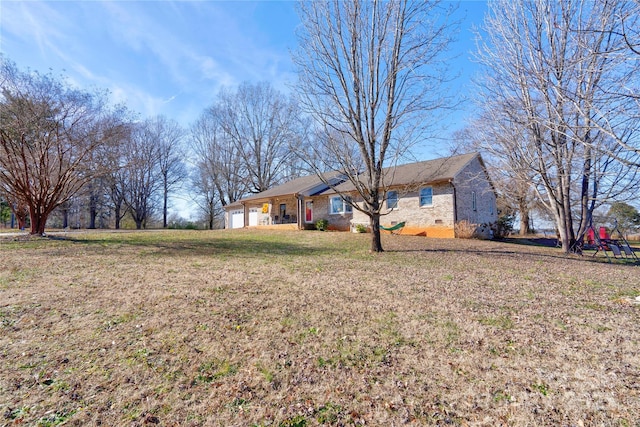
<point>504,226</point>
<point>322,225</point>
<point>361,228</point>
<point>466,230</point>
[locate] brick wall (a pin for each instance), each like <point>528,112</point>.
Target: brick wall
<point>435,220</point>
<point>339,222</point>
<point>438,219</point>
<point>474,180</point>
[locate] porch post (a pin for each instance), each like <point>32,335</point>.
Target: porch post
<point>300,211</point>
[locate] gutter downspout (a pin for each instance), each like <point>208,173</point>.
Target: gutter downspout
<point>455,203</point>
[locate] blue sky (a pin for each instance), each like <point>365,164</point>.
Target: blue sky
<point>168,57</point>
<point>158,57</point>
<point>172,57</point>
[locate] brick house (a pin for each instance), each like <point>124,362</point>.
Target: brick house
<point>429,196</point>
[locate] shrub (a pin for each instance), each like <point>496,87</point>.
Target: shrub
<point>322,224</point>
<point>182,224</point>
<point>503,227</point>
<point>361,228</point>
<point>465,230</point>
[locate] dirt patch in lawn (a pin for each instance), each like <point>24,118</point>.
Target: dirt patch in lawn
<point>309,328</point>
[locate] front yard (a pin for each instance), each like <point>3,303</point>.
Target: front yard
<point>307,328</point>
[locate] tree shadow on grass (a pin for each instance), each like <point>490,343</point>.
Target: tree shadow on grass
<point>217,246</point>
<point>517,247</point>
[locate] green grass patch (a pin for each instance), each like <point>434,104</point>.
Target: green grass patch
<point>214,370</point>
<point>502,322</point>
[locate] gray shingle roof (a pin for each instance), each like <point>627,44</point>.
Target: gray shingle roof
<point>443,169</point>
<point>305,185</point>
<point>425,172</point>
<point>428,171</point>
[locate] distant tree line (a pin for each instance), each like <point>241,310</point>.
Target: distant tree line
<point>60,146</point>
<point>69,154</point>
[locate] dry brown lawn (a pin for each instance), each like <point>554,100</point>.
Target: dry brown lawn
<point>250,328</point>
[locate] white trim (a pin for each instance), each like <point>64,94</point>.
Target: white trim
<point>346,208</point>
<point>420,197</point>
<point>397,198</point>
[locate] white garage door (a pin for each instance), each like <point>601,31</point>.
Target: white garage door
<point>253,217</point>
<point>237,219</point>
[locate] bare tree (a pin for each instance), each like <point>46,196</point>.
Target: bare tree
<point>168,136</point>
<point>116,193</point>
<point>104,162</point>
<point>263,124</point>
<point>140,175</point>
<point>19,210</point>
<point>551,69</point>
<point>371,74</point>
<point>48,132</point>
<point>220,174</point>
<point>206,194</point>
<point>6,212</point>
<point>629,27</point>
<point>115,181</point>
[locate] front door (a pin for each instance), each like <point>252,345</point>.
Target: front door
<point>308,211</point>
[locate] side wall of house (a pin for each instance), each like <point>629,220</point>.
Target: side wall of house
<point>476,199</point>
<point>339,222</point>
<point>436,220</point>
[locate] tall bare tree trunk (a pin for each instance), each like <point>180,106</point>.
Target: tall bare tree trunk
<point>38,217</point>
<point>370,75</point>
<point>165,203</point>
<point>93,209</point>
<point>524,220</point>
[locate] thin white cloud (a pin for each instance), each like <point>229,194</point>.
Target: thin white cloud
<point>31,21</point>
<point>137,99</point>
<point>147,52</point>
<point>140,32</point>
<point>170,99</point>
<point>223,52</point>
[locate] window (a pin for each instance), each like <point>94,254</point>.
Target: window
<point>474,204</point>
<point>339,206</point>
<point>426,196</point>
<point>392,200</point>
